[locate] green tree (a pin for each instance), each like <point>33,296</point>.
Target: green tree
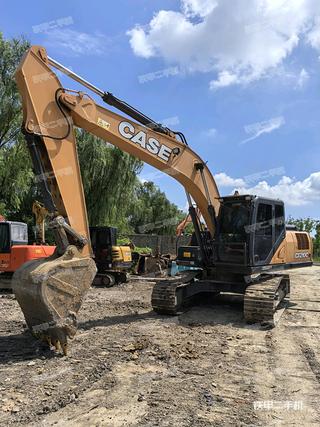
<point>15,165</point>
<point>11,52</point>
<point>109,177</point>
<point>151,211</point>
<point>16,178</point>
<point>304,224</point>
<point>316,243</point>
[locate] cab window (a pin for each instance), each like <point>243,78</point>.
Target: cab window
<point>19,234</point>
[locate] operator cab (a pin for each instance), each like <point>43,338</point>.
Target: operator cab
<point>12,234</point>
<point>102,241</point>
<point>250,229</point>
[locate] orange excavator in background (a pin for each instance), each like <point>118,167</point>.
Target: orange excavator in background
<point>185,222</point>
<point>15,250</point>
<point>243,248</point>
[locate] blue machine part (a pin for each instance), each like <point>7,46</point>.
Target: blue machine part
<point>175,268</point>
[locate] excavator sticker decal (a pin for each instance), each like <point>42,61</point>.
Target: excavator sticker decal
<point>102,123</point>
<point>4,264</point>
<point>127,130</point>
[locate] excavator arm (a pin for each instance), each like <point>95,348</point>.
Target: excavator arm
<point>184,223</point>
<point>40,213</point>
<point>50,292</point>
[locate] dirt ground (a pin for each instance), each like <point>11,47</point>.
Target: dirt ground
<point>131,367</point>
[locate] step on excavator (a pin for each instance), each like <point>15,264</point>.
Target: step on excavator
<point>242,248</point>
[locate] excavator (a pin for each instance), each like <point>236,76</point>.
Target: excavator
<point>40,213</point>
<point>15,250</point>
<point>242,249</point>
<point>184,223</point>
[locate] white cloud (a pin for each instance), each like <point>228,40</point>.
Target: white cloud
<point>210,133</point>
<point>150,176</point>
<point>291,191</point>
<point>170,121</point>
<point>225,78</point>
<point>303,78</point>
<point>241,41</point>
<point>78,43</point>
<point>198,7</point>
<point>224,180</point>
<point>260,128</point>
<point>139,43</point>
<point>314,35</point>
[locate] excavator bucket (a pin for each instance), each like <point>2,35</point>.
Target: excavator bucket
<point>50,293</point>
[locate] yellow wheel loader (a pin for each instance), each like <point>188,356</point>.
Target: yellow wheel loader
<point>243,248</point>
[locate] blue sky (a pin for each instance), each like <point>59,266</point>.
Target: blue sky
<point>240,79</point>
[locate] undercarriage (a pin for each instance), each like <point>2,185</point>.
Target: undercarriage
<point>265,297</point>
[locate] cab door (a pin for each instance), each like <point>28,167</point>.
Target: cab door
<point>269,230</point>
<point>263,235</point>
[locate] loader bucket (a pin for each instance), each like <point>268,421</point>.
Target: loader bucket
<point>50,292</point>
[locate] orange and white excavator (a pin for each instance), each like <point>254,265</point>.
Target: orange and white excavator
<point>15,250</point>
<point>243,248</point>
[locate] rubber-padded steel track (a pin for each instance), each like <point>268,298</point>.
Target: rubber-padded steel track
<point>266,300</point>
<point>165,295</point>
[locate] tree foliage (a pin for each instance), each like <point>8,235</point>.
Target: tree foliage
<point>15,166</point>
<point>16,175</point>
<point>304,224</point>
<point>11,52</point>
<point>316,243</point>
<point>109,177</point>
<point>151,211</point>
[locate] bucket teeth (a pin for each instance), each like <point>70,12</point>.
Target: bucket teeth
<point>50,293</point>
